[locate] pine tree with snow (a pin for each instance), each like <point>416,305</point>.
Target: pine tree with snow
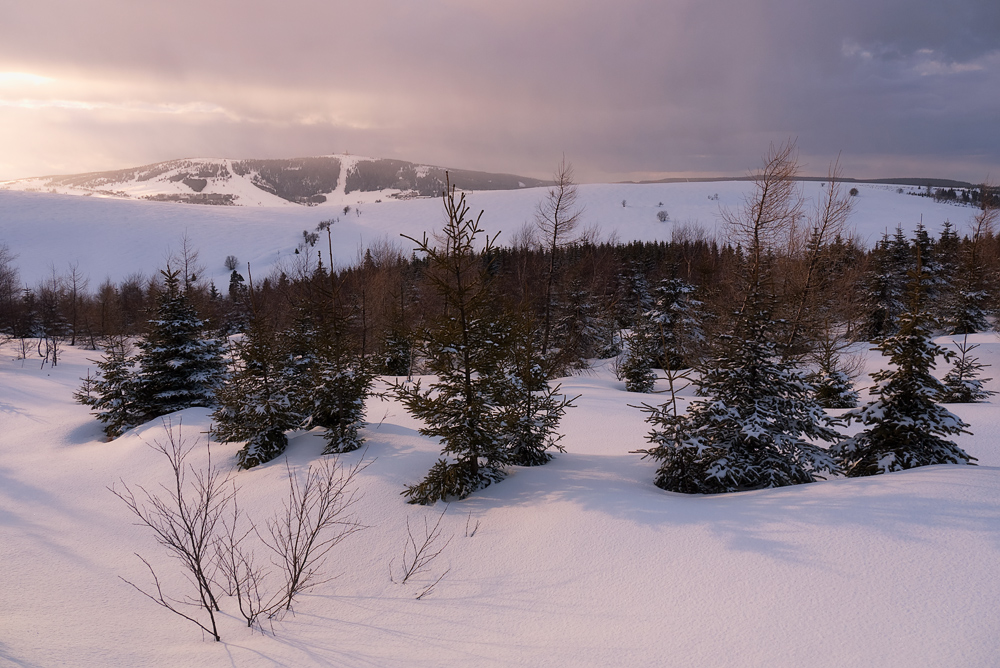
<point>905,427</point>
<point>673,324</point>
<point>179,366</point>
<point>581,330</point>
<point>258,402</point>
<point>756,419</point>
<point>753,426</point>
<point>462,351</point>
<point>636,365</point>
<point>833,389</point>
<point>529,408</point>
<point>884,285</point>
<point>111,395</point>
<point>330,380</point>
<point>962,384</point>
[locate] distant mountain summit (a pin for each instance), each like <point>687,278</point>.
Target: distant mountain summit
<point>331,179</point>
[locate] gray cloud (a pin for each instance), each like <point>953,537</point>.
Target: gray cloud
<point>627,89</point>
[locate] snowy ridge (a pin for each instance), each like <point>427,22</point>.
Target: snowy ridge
<point>310,181</point>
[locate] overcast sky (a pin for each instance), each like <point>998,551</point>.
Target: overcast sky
<point>626,89</point>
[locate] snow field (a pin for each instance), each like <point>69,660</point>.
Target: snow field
<point>581,562</point>
<point>110,238</point>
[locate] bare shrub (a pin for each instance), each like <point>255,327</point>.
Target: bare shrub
<point>420,553</point>
<point>316,517</point>
<point>184,515</point>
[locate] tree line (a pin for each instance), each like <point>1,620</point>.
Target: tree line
<point>762,314</point>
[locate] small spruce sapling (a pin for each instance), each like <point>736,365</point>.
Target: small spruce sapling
<point>962,384</point>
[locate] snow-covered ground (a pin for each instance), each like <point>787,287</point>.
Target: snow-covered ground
<point>582,562</point>
<point>111,238</point>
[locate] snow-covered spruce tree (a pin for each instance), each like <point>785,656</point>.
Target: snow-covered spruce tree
<point>179,366</point>
<point>674,323</point>
<point>884,285</point>
<point>636,365</point>
<point>753,425</point>
<point>257,403</point>
<point>755,419</point>
<point>975,283</point>
<point>460,348</point>
<point>581,330</point>
<point>662,337</point>
<point>904,426</point>
<point>962,384</point>
<point>111,395</point>
<point>330,380</point>
<point>834,387</point>
<point>529,408</point>
<point>397,353</point>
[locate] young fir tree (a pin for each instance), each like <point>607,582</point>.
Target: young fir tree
<point>179,366</point>
<point>462,350</point>
<point>962,384</point>
<point>529,408</point>
<point>834,387</point>
<point>258,403</point>
<point>904,425</point>
<point>884,286</point>
<point>330,381</point>
<point>636,366</point>
<point>581,330</point>
<point>753,426</point>
<point>111,395</point>
<point>674,323</point>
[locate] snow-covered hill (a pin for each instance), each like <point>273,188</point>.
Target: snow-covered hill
<point>280,182</point>
<point>578,563</point>
<point>113,238</point>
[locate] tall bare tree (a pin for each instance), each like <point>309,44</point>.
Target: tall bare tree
<point>828,221</point>
<point>556,219</point>
<point>766,216</point>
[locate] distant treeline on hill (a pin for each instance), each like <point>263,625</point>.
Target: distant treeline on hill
<point>598,290</point>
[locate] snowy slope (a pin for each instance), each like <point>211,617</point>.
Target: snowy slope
<point>582,562</point>
<point>114,238</point>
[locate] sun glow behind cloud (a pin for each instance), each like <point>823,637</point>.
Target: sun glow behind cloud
<point>644,87</point>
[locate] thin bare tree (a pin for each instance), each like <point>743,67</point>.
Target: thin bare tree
<point>828,221</point>
<point>766,216</point>
<point>556,219</point>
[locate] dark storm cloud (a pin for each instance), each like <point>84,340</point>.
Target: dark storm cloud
<point>626,89</point>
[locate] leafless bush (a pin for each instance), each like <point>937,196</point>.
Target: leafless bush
<point>418,554</point>
<point>197,518</point>
<point>244,577</point>
<point>184,517</point>
<point>316,517</point>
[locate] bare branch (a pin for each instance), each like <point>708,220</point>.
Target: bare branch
<point>316,517</point>
<point>418,556</point>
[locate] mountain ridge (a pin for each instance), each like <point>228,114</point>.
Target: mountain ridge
<point>305,181</point>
